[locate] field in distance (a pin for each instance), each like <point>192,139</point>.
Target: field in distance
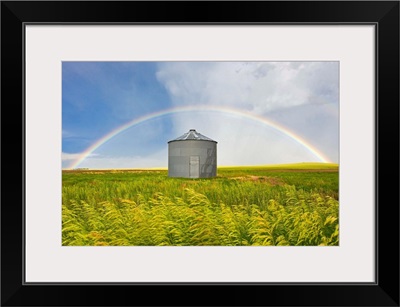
<point>287,204</point>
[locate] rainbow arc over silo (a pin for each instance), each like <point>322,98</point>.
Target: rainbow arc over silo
<point>215,109</point>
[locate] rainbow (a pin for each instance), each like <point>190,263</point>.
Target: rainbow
<point>184,109</point>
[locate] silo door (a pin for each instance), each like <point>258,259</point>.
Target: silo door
<point>194,167</point>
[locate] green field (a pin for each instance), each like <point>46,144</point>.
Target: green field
<point>288,204</point>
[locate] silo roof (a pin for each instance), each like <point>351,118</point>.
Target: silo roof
<point>192,135</point>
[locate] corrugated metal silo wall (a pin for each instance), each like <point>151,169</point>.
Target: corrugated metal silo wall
<point>181,165</point>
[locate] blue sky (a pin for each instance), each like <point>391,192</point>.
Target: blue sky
<point>99,97</point>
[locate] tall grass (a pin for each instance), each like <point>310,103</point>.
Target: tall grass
<point>120,209</point>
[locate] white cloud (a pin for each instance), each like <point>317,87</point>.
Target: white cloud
<point>157,159</point>
<point>257,86</point>
<point>74,156</point>
<point>69,156</point>
<point>67,159</point>
<point>267,89</point>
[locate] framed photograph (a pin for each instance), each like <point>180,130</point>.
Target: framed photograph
<point>240,147</point>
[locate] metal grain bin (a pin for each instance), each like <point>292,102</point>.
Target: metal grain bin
<point>192,155</point>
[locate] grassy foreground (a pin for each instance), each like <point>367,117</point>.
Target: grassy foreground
<point>292,204</point>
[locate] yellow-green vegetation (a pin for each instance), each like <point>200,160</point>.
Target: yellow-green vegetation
<point>294,205</point>
<point>291,166</point>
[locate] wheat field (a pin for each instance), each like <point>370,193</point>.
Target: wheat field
<point>285,205</point>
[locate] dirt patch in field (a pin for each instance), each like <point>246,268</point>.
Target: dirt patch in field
<point>264,179</point>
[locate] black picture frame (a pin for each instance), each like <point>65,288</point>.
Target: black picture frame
<point>383,14</point>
